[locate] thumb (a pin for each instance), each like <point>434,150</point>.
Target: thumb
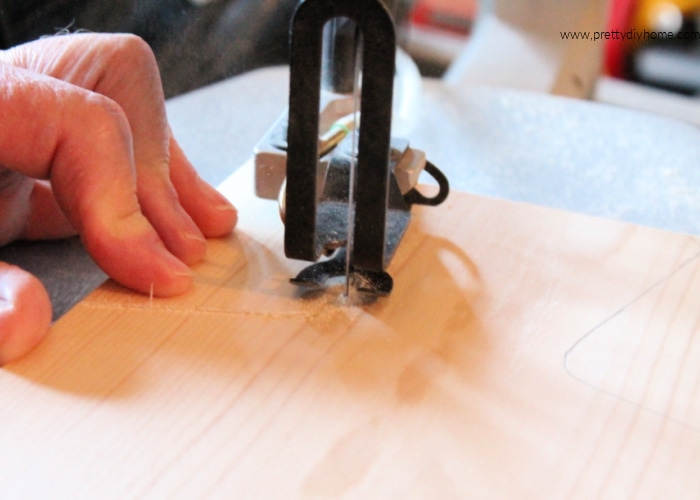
<point>25,312</point>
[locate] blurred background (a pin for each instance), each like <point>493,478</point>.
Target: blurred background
<point>195,42</point>
<point>202,41</point>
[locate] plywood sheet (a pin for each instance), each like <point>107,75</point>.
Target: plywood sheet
<point>524,353</point>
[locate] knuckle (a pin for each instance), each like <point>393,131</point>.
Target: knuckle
<point>134,49</point>
<point>104,115</point>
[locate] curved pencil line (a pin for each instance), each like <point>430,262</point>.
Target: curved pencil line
<point>565,361</point>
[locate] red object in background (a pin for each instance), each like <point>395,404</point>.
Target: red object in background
<point>446,15</point>
<point>621,16</point>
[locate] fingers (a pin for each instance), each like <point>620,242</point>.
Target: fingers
<point>29,210</point>
<point>81,141</point>
<point>15,192</point>
<point>181,207</point>
<point>46,220</point>
<point>209,209</point>
<point>113,166</point>
<point>25,312</point>
<point>86,113</point>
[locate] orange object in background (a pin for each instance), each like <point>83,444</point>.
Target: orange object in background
<point>642,15</point>
<point>657,15</point>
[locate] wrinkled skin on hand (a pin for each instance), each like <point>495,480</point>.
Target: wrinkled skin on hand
<point>85,148</point>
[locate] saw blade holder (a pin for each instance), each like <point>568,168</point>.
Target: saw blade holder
<point>345,194</point>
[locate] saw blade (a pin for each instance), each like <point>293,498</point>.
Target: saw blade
<point>357,92</point>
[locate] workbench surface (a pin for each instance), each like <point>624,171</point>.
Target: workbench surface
<point>525,352</point>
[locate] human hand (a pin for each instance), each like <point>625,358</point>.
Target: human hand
<point>85,149</point>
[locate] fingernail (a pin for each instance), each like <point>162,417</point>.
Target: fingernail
<point>184,274</point>
<point>195,237</point>
<point>177,267</point>
<point>180,271</point>
<point>211,193</point>
<point>226,207</point>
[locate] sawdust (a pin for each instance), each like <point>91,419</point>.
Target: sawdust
<point>319,307</point>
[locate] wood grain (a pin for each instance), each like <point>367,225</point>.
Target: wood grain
<point>524,353</point>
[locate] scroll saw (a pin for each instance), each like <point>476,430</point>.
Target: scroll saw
<point>344,185</point>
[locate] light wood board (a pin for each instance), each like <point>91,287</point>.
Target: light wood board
<point>524,353</point>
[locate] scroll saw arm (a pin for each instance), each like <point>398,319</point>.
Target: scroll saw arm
<point>345,190</point>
